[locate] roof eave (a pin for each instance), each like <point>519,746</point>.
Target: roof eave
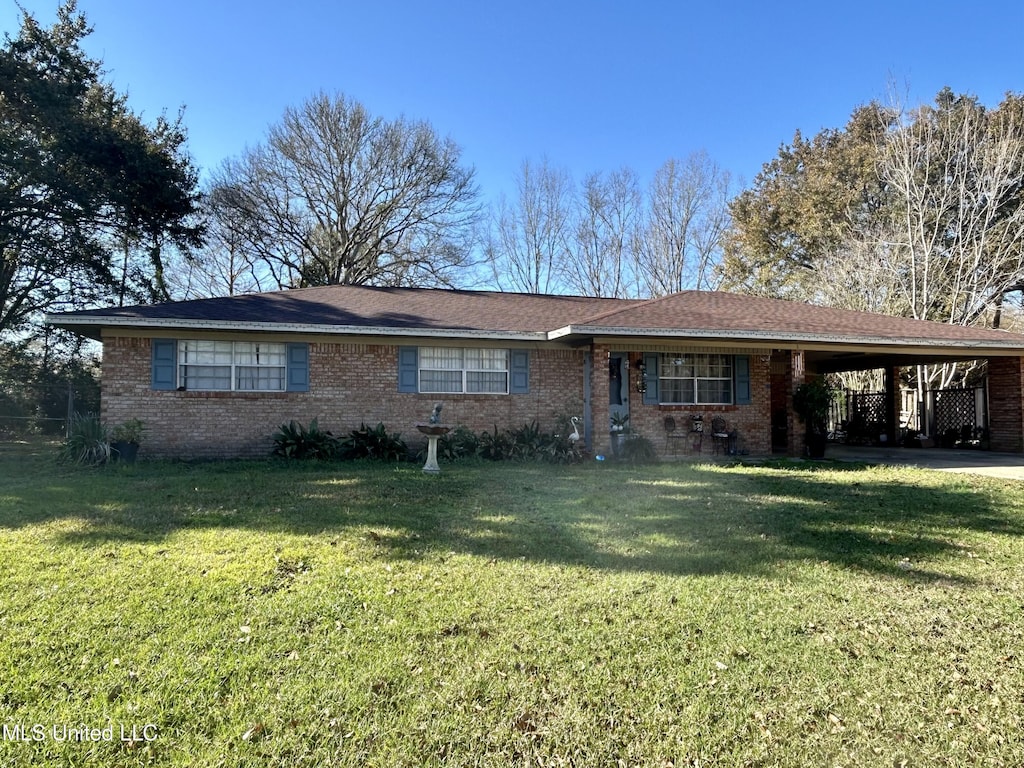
<point>779,337</point>
<point>82,325</point>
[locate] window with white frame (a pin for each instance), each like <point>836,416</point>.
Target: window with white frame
<point>689,379</point>
<point>241,366</point>
<point>469,370</point>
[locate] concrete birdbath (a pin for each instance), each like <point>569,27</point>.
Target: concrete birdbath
<point>433,430</point>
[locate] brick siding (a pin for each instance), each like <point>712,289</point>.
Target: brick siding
<point>752,423</point>
<point>352,383</point>
<point>349,383</point>
<point>1006,403</point>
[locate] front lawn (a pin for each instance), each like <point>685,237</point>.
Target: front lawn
<point>265,613</point>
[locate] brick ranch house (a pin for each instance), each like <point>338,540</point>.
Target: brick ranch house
<point>216,377</point>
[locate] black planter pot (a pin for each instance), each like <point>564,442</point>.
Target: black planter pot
<point>816,443</point>
<point>124,451</point>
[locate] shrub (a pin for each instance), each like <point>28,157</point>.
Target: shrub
<point>374,443</point>
<point>460,443</point>
<point>88,443</point>
<point>559,449</point>
<point>128,432</point>
<point>497,446</point>
<point>294,441</point>
<point>638,450</point>
<point>526,441</point>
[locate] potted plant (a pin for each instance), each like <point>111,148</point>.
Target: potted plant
<point>812,401</point>
<point>125,439</point>
<point>618,432</point>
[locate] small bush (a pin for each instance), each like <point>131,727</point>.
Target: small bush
<point>294,441</point>
<point>460,443</point>
<point>527,440</point>
<point>497,446</point>
<point>88,444</point>
<point>638,450</point>
<point>559,449</point>
<point>528,443</point>
<point>374,443</point>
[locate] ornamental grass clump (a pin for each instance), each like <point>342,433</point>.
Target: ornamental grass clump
<point>88,442</point>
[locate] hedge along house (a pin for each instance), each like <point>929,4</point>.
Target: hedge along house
<point>216,377</point>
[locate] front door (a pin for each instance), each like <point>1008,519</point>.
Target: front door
<point>618,388</point>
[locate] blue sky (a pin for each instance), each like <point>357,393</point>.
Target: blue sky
<point>592,86</point>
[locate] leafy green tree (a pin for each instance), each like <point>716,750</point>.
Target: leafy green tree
<point>914,212</point>
<point>803,207</point>
<point>910,212</point>
<point>90,196</point>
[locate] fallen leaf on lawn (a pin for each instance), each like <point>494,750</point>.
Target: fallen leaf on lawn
<point>253,732</point>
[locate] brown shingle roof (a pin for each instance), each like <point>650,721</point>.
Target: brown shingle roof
<point>738,315</point>
<point>361,309</point>
<point>370,307</point>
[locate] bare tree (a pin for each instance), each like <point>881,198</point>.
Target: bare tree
<point>338,196</point>
<point>677,244</point>
<point>530,237</point>
<point>956,173</point>
<point>227,265</point>
<point>607,213</point>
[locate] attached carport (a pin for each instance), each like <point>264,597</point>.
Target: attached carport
<point>1005,376</point>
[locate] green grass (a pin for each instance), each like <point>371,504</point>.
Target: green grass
<point>261,613</point>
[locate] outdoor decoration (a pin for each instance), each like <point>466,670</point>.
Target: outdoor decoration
<point>433,429</point>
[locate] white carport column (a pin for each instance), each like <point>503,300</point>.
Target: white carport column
<point>796,375</point>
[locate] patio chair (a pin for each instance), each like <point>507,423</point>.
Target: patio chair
<point>672,435</point>
<point>719,435</point>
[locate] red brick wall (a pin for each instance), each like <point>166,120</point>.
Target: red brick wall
<point>1006,403</point>
<point>751,422</point>
<point>349,383</point>
<point>353,382</point>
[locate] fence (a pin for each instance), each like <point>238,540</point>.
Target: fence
<point>957,417</point>
<point>44,408</point>
<point>953,417</point>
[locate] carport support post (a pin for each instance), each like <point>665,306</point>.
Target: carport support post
<point>796,375</point>
<point>892,405</point>
<point>1006,403</point>
<point>600,412</point>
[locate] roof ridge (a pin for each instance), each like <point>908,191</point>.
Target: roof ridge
<point>636,304</point>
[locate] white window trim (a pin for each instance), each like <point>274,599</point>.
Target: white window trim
<point>731,378</point>
<point>232,366</point>
<point>464,371</point>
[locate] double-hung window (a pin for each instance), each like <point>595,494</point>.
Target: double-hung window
<point>241,366</point>
<point>690,379</point>
<point>457,370</point>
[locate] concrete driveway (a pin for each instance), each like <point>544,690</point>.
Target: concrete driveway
<point>1009,466</point>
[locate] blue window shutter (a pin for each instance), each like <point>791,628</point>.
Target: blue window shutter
<point>298,368</point>
<point>518,371</point>
<point>741,364</point>
<point>165,364</point>
<point>408,369</point>
<point>651,365</point>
